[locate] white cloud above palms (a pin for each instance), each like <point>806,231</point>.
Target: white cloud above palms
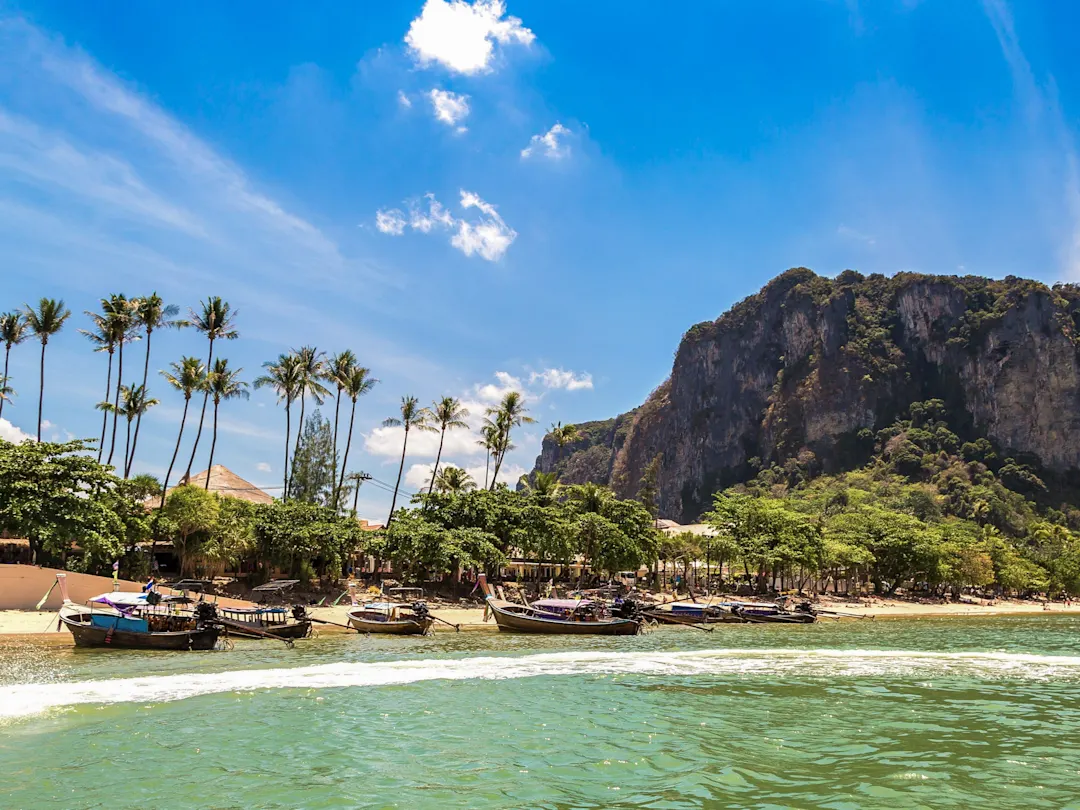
<point>461,36</point>
<point>486,235</point>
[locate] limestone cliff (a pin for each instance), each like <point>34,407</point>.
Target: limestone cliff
<point>803,372</point>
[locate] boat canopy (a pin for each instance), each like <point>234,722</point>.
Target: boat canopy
<point>384,605</point>
<point>560,604</point>
<point>126,598</point>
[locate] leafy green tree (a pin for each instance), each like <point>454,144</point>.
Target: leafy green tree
<point>45,321</point>
<point>13,331</point>
<point>217,321</point>
<point>192,514</point>
<point>338,371</point>
<point>543,488</point>
<point>311,368</point>
<point>648,490</point>
<point>312,479</point>
<point>421,549</point>
<point>304,539</point>
<point>56,495</point>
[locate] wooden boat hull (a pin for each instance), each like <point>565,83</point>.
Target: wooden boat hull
<point>291,631</point>
<point>403,627</point>
<point>511,622</point>
<point>87,635</point>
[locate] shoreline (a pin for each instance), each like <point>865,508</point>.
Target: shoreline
<point>28,624</point>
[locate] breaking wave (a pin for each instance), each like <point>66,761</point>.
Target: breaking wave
<point>23,700</point>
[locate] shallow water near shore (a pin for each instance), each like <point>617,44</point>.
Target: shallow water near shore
<point>886,714</point>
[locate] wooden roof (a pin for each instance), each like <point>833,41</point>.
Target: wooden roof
<point>224,481</point>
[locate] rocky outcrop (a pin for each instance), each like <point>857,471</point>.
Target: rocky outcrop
<point>805,370</point>
<point>589,458</point>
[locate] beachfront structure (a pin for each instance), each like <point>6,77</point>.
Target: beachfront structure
<point>224,482</point>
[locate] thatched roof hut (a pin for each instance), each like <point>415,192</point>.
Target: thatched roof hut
<point>225,482</point>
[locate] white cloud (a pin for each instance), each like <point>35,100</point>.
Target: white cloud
<point>551,144</point>
<point>461,36</point>
<point>46,424</point>
<point>450,108</point>
<point>418,476</point>
<point>558,378</point>
<point>10,433</point>
<point>403,99</point>
<point>487,236</point>
<point>390,221</point>
<point>262,466</point>
<point>386,442</point>
<point>491,393</point>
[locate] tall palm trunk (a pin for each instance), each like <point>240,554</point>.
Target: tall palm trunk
<point>337,412</point>
<point>7,357</point>
<point>213,444</point>
<point>487,467</point>
<point>145,378</point>
<point>348,443</point>
<point>116,400</point>
<point>105,413</point>
<point>134,444</point>
<point>176,452</point>
<point>41,391</point>
<point>401,469</point>
<point>288,435</point>
<point>438,456</point>
<point>499,456</point>
<point>127,450</point>
<point>202,416</point>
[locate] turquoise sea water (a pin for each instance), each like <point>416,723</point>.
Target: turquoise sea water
<point>886,714</point>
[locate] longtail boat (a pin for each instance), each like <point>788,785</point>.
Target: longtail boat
<point>552,616</point>
<point>279,622</point>
<point>138,621</point>
<point>392,618</point>
<point>732,612</point>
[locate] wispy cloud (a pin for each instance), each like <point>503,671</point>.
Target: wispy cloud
<point>461,36</point>
<point>560,378</point>
<point>449,107</point>
<point>1057,160</point>
<point>855,235</point>
<point>486,235</point>
<point>551,144</point>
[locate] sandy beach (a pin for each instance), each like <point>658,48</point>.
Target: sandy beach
<point>44,623</point>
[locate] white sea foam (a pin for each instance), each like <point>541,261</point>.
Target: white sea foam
<point>27,699</point>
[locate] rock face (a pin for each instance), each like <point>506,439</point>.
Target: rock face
<point>591,457</point>
<point>804,372</point>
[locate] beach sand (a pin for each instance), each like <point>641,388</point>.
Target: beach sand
<point>44,623</point>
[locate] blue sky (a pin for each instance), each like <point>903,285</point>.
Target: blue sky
<point>541,195</point>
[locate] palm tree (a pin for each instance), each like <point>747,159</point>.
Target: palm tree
<point>338,371</point>
<point>412,417</point>
<point>511,413</point>
<point>135,403</point>
<point>562,436</point>
<point>359,383</point>
<point>283,376</point>
<point>224,384</point>
<point>117,319</point>
<point>312,370</point>
<point>13,332</point>
<point>544,487</point>
<point>104,340</point>
<point>489,441</point>
<point>44,322</point>
<point>216,321</point>
<point>6,391</point>
<point>446,414</point>
<point>187,377</point>
<point>454,480</point>
<point>152,313</point>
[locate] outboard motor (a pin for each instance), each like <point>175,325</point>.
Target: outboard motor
<point>420,609</point>
<point>299,612</point>
<point>805,607</point>
<point>153,598</point>
<point>205,612</point>
<point>628,609</point>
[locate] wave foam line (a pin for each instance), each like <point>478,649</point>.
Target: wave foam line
<point>28,699</point>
